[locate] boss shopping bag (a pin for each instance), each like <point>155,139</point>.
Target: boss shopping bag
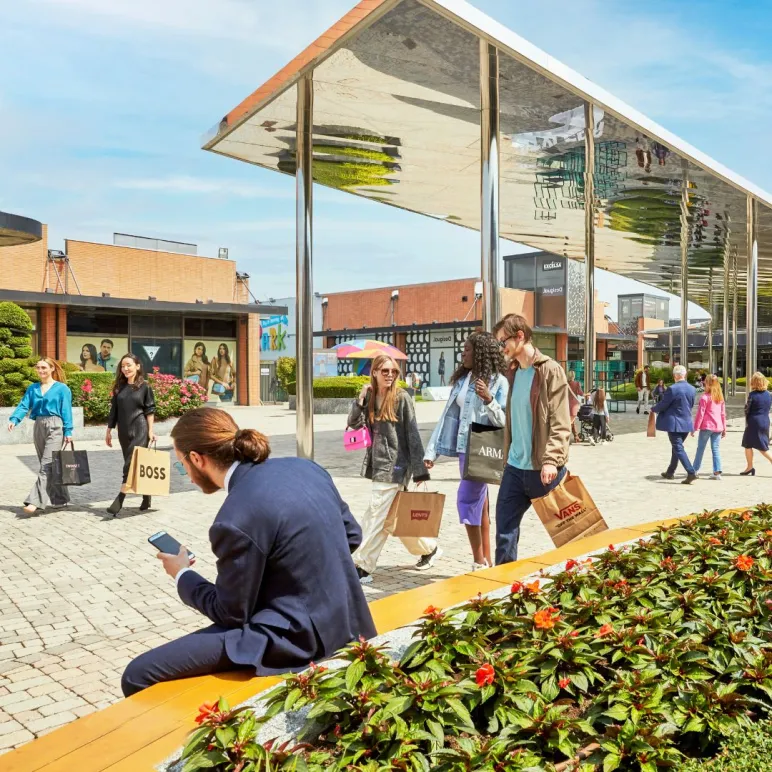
<point>70,467</point>
<point>418,513</point>
<point>149,472</point>
<point>568,512</point>
<point>484,457</point>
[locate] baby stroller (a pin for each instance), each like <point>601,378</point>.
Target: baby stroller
<point>585,425</point>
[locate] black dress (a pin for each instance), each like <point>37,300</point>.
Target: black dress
<point>129,409</point>
<point>756,433</point>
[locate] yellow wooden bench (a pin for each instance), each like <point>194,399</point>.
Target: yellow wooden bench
<point>136,734</point>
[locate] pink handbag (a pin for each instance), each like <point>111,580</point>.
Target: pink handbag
<point>357,439</point>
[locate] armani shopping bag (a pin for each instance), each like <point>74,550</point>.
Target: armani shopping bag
<point>568,512</point>
<point>417,514</point>
<point>484,457</point>
<point>70,467</point>
<point>149,472</point>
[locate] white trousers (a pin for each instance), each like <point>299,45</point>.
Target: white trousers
<point>643,398</point>
<point>377,526</point>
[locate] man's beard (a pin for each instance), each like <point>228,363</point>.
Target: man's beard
<point>203,480</point>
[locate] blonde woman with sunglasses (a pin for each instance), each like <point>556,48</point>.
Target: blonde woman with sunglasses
<point>395,456</point>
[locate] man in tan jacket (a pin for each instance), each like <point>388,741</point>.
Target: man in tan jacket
<point>537,434</point>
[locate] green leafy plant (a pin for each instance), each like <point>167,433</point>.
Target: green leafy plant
<point>339,386</point>
<point>645,657</point>
<point>286,369</point>
<point>16,372</point>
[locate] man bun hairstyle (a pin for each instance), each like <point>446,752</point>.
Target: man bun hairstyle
<point>213,433</point>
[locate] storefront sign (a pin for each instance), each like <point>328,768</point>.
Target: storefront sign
<point>552,265</point>
<point>551,290</point>
<point>441,339</point>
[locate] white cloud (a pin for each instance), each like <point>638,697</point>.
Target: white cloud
<point>186,184</point>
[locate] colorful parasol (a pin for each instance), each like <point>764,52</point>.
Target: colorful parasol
<point>366,349</point>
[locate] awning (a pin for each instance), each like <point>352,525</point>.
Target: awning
<point>397,120</point>
<point>16,230</point>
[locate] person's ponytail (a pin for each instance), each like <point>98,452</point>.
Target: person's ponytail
<point>250,445</point>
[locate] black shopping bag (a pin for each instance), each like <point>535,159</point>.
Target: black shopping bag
<point>484,458</point>
<point>70,467</point>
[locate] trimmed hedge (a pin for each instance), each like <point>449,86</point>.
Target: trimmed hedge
<point>747,751</point>
<point>15,317</point>
<point>16,373</point>
<point>339,386</point>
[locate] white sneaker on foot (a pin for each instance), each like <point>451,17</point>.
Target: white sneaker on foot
<point>427,561</point>
<point>480,566</point>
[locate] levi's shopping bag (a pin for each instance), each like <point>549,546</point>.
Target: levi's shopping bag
<point>70,467</point>
<point>568,512</point>
<point>149,472</point>
<point>484,457</point>
<point>417,514</point>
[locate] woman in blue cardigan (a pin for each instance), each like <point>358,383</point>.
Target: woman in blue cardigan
<point>49,403</point>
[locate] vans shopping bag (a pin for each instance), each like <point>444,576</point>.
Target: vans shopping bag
<point>417,513</point>
<point>70,467</point>
<point>357,439</point>
<point>149,472</point>
<point>484,457</point>
<point>568,512</point>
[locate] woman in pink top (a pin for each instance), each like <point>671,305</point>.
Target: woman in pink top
<point>710,422</point>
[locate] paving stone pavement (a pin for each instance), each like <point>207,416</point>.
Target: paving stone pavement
<point>81,593</point>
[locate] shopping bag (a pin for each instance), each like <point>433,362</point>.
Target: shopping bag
<point>149,472</point>
<point>357,439</point>
<point>568,512</point>
<point>484,457</point>
<point>70,467</point>
<point>651,426</point>
<point>417,513</point>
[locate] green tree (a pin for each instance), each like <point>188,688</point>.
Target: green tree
<point>16,362</point>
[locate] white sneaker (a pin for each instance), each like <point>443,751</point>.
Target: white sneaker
<point>480,566</point>
<point>427,561</point>
<point>716,476</point>
<point>603,442</point>
<point>591,441</point>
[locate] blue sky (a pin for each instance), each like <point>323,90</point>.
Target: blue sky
<point>102,117</point>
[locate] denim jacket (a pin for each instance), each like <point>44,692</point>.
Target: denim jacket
<point>450,435</point>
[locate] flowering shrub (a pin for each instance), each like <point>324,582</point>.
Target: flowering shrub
<point>640,659</point>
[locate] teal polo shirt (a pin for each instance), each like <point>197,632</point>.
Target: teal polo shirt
<point>521,417</point>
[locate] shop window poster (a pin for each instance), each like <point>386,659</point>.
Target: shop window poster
<point>96,353</point>
<point>211,364</point>
<point>273,333</point>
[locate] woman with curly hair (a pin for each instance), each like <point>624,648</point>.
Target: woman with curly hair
<point>478,395</point>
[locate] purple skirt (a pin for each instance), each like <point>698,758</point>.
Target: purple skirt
<point>470,499</point>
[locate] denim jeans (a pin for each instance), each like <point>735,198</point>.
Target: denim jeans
<point>519,487</point>
<point>702,443</point>
<point>678,453</point>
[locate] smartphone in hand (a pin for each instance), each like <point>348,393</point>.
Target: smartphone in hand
<point>167,544</point>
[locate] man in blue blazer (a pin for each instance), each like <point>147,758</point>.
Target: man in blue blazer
<point>674,416</point>
<point>287,591</point>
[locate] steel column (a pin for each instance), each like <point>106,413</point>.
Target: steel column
<point>489,182</point>
<point>589,246</point>
<point>734,322</point>
<point>684,357</point>
<point>725,364</point>
<point>751,299</point>
<point>710,321</point>
<point>304,266</point>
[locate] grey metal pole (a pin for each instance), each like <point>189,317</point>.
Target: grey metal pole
<point>589,246</point>
<point>710,321</point>
<point>684,357</point>
<point>751,300</point>
<point>725,364</point>
<point>304,267</point>
<point>489,182</point>
<point>734,322</point>
<point>670,348</point>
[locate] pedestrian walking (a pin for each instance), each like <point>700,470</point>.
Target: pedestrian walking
<point>756,434</point>
<point>643,385</point>
<point>478,394</point>
<point>538,431</point>
<point>600,417</point>
<point>132,411</point>
<point>710,422</point>
<point>577,396</point>
<point>49,404</point>
<point>396,455</point>
<point>674,416</point>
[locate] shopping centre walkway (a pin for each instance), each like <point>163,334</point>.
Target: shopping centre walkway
<point>81,593</point>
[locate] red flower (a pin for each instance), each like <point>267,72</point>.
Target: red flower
<point>746,516</point>
<point>87,387</point>
<point>574,633</point>
<point>516,587</point>
<point>563,683</point>
<point>744,562</point>
<point>714,540</point>
<point>546,619</point>
<point>572,564</point>
<point>611,548</point>
<point>314,668</point>
<point>533,587</point>
<point>206,712</point>
<point>485,675</point>
<point>605,630</point>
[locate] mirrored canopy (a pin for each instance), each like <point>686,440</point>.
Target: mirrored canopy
<point>397,120</point>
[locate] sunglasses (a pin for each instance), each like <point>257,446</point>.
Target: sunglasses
<point>503,343</point>
<point>387,371</point>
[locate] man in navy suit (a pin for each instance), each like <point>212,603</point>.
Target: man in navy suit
<point>674,416</point>
<point>287,591</point>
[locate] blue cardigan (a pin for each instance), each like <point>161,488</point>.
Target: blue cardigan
<point>57,401</point>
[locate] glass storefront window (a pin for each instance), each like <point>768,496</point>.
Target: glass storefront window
<point>85,322</point>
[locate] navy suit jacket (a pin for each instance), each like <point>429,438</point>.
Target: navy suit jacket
<point>287,590</point>
<point>674,410</point>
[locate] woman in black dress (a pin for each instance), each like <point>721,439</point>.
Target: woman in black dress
<point>132,410</point>
<point>756,435</point>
